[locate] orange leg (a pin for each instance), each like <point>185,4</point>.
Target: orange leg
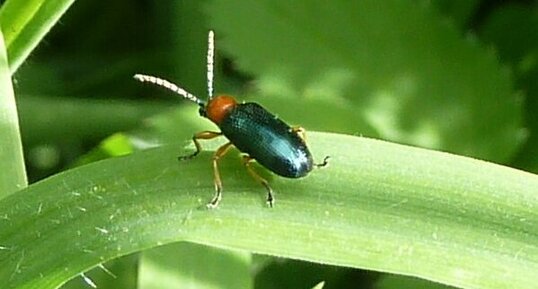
<point>247,160</point>
<point>301,132</point>
<point>201,135</point>
<point>221,151</point>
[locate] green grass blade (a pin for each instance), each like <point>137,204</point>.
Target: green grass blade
<point>25,23</point>
<point>379,206</point>
<point>13,176</point>
<point>186,265</point>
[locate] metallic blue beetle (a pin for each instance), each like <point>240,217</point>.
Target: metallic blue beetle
<point>249,127</point>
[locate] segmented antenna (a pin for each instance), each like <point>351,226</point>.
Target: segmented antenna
<point>170,86</point>
<point>210,60</point>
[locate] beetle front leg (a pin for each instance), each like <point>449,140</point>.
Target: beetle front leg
<point>247,160</point>
<point>221,151</point>
<point>201,135</point>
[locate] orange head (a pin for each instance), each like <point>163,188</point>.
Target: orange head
<point>218,108</point>
<point>215,108</point>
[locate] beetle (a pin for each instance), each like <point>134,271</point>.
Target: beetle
<point>254,131</point>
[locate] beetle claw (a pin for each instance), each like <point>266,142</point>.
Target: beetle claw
<point>216,199</point>
<point>187,157</point>
<point>324,163</point>
<point>213,204</point>
<point>270,200</point>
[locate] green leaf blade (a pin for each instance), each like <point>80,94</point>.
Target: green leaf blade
<point>378,205</point>
<point>25,24</point>
<point>13,176</point>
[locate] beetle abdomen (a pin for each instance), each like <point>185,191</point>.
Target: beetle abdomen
<point>267,139</point>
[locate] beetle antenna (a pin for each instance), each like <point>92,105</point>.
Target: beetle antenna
<point>170,86</point>
<point>210,63</point>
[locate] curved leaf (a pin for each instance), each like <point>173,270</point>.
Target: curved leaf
<point>13,176</point>
<point>25,23</point>
<point>378,205</point>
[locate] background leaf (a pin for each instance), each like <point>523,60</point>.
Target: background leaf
<point>13,176</point>
<point>520,51</point>
<point>395,65</point>
<point>459,11</point>
<point>25,23</point>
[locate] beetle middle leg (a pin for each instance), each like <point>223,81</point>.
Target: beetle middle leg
<point>201,135</point>
<point>300,131</point>
<point>247,160</point>
<point>221,151</point>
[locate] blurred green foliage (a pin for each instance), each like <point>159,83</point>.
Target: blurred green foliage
<point>457,76</point>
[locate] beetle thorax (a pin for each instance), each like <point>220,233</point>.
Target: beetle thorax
<point>219,107</point>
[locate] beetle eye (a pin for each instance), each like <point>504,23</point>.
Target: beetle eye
<point>202,112</point>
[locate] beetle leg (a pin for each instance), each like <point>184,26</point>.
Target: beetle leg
<point>301,132</point>
<point>247,160</point>
<point>324,163</point>
<point>201,135</point>
<point>221,151</point>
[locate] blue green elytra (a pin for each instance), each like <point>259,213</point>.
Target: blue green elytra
<point>254,131</point>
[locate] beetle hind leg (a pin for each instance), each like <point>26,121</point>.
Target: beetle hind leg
<point>247,160</point>
<point>221,151</point>
<point>324,163</point>
<point>301,132</point>
<point>201,135</point>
